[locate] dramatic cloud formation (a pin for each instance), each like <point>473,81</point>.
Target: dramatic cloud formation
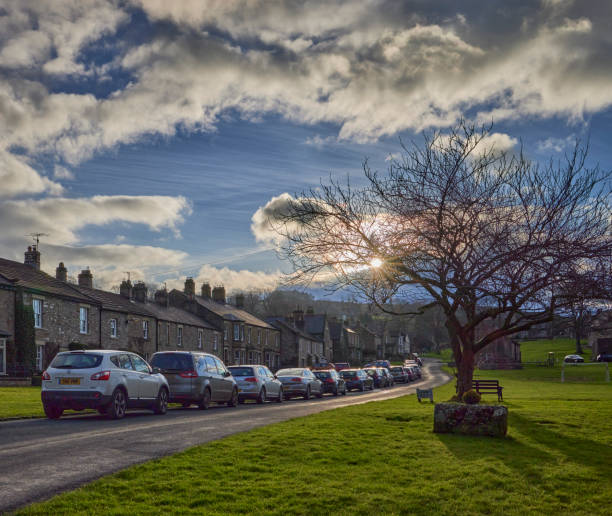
<point>79,78</point>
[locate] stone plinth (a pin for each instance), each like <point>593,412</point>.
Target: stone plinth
<point>458,418</point>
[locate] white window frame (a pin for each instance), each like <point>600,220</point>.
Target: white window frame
<point>215,342</point>
<point>200,338</point>
<point>259,337</point>
<point>225,333</point>
<point>40,356</point>
<point>113,328</point>
<point>83,321</point>
<point>179,336</point>
<point>145,329</point>
<point>38,314</point>
<point>237,357</point>
<point>236,332</point>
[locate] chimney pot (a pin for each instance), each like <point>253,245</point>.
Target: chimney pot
<point>125,289</point>
<point>61,273</point>
<point>206,292</point>
<point>218,294</point>
<point>32,258</point>
<point>85,279</point>
<point>189,288</point>
<point>140,292</point>
<point>161,297</point>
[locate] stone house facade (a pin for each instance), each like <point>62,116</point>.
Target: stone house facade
<point>346,343</point>
<point>245,337</point>
<point>317,325</point>
<point>298,348</point>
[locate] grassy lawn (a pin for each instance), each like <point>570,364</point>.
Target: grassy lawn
<point>537,350</point>
<point>382,458</point>
<point>20,402</point>
<point>446,355</point>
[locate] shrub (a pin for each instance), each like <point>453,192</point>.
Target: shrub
<point>455,399</point>
<point>471,397</point>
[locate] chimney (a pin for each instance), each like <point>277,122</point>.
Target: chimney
<point>140,292</point>
<point>161,297</point>
<point>189,288</point>
<point>125,289</point>
<point>206,293</point>
<point>61,273</point>
<point>298,318</point>
<point>86,279</point>
<point>240,300</point>
<point>218,294</point>
<point>32,257</point>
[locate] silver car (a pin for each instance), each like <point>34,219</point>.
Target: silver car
<point>256,382</point>
<point>196,378</point>
<point>299,381</point>
<point>106,380</point>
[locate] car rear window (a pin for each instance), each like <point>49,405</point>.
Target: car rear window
<point>77,361</point>
<point>290,372</point>
<point>172,361</point>
<point>348,373</point>
<point>241,371</point>
<point>322,374</point>
<point>397,369</point>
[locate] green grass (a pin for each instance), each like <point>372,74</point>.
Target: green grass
<point>537,350</point>
<point>20,402</point>
<point>382,458</point>
<point>446,355</point>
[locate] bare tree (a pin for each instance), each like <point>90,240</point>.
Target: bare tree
<point>481,233</point>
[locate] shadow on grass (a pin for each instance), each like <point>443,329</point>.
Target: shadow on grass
<point>580,450</point>
<point>469,450</point>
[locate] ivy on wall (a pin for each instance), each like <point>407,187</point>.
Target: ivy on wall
<point>25,343</point>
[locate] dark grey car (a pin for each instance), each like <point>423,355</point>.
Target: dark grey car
<point>196,378</point>
<point>256,382</point>
<point>299,381</point>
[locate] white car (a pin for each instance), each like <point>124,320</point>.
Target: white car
<point>573,358</point>
<point>109,381</point>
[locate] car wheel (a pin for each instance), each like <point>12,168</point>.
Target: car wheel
<point>118,405</point>
<point>205,401</point>
<point>52,411</point>
<point>320,394</point>
<point>307,395</point>
<point>161,404</point>
<point>233,402</point>
<point>262,396</point>
<point>281,396</point>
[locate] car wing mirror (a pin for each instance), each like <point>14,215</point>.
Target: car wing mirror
<point>155,370</point>
<point>227,373</point>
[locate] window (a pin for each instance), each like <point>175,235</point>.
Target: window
<point>267,333</point>
<point>179,336</point>
<point>125,362</point>
<point>258,337</point>
<point>139,364</point>
<point>145,330</point>
<point>249,335</point>
<point>276,340</point>
<point>241,332</point>
<point>37,306</point>
<point>236,332</point>
<point>215,342</point>
<point>225,334</point>
<point>237,356</point>
<point>113,328</point>
<point>83,319</point>
<point>251,360</point>
<point>40,356</point>
<point>220,367</point>
<point>199,339</point>
<point>211,366</point>
<point>168,334</point>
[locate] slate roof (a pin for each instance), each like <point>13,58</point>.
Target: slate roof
<point>22,275</point>
<point>178,315</point>
<point>314,324</point>
<point>281,321</point>
<point>115,302</point>
<point>335,330</point>
<point>231,313</point>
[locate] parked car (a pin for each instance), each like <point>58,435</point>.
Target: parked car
<point>378,363</point>
<point>357,379</point>
<point>377,379</point>
<point>109,381</point>
<point>573,359</point>
<point>411,376</point>
<point>299,381</point>
<point>342,365</point>
<point>196,378</point>
<point>332,381</point>
<point>400,375</point>
<point>256,382</point>
<point>604,357</point>
<point>416,371</point>
<point>389,382</point>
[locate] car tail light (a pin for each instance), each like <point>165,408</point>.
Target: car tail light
<point>329,380</point>
<point>188,374</point>
<point>296,379</point>
<point>102,375</point>
<point>250,379</point>
<point>46,377</point>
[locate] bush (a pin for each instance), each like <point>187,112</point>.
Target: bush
<point>455,399</point>
<point>471,397</point>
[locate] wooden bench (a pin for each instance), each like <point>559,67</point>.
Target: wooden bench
<point>488,386</point>
<point>424,394</point>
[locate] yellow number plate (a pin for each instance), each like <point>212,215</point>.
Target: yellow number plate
<point>70,381</point>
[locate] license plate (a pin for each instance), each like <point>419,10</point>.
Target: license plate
<point>70,381</point>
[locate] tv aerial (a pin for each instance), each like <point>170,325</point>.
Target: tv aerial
<point>36,237</point>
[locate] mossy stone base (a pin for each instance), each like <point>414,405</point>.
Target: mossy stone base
<point>459,418</point>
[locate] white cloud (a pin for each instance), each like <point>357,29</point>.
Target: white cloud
<point>18,178</point>
<point>266,219</point>
<point>556,144</point>
<point>62,173</point>
<point>233,280</point>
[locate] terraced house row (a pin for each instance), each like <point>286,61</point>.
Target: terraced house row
<point>73,315</point>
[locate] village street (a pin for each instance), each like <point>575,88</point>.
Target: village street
<point>42,457</point>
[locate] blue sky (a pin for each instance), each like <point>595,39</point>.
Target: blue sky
<point>144,135</point>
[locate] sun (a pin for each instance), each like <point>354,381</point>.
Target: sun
<point>376,263</point>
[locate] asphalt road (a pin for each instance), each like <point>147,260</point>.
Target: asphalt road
<point>40,458</point>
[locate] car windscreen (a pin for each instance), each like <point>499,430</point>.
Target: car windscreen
<point>397,369</point>
<point>346,373</point>
<point>322,374</point>
<point>290,372</point>
<point>172,361</point>
<point>241,371</point>
<point>77,361</point>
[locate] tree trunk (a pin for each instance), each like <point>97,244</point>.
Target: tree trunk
<point>578,334</point>
<point>465,372</point>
